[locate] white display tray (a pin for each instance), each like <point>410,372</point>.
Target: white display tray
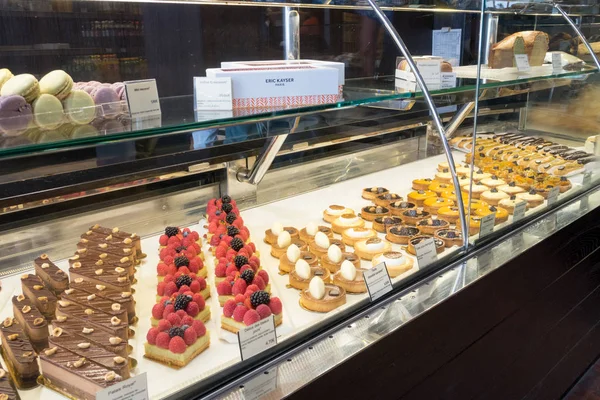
<point>296,211</point>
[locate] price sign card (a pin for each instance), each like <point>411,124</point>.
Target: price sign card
<point>426,252</point>
<point>556,63</point>
<point>487,225</point>
<point>134,388</point>
<point>378,281</point>
<point>522,62</point>
<point>553,195</point>
<point>213,93</point>
<point>142,98</point>
<point>261,385</point>
<point>257,338</point>
<point>519,211</point>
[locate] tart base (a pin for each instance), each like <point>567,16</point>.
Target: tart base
<point>231,325</point>
<point>353,287</point>
<point>367,255</point>
<point>173,360</point>
<point>322,307</point>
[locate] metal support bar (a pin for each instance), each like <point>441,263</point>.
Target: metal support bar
<point>265,159</point>
<point>491,33</point>
<point>576,28</point>
<point>458,118</point>
<point>434,113</point>
<point>291,34</point>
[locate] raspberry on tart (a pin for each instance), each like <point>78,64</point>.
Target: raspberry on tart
<point>176,345</point>
<point>180,283</point>
<point>245,310</point>
<point>245,283</point>
<point>188,303</point>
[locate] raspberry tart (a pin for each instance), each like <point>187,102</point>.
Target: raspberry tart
<point>174,307</point>
<point>239,263</point>
<point>241,283</point>
<point>176,344</point>
<point>183,265</point>
<point>179,237</point>
<point>245,310</point>
<point>180,283</point>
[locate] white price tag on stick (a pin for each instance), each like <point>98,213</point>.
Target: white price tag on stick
<point>378,281</point>
<point>556,63</point>
<point>487,225</point>
<point>522,62</point>
<point>256,338</point>
<point>426,252</point>
<point>213,93</point>
<point>553,195</point>
<point>519,211</point>
<point>134,388</point>
<point>142,98</point>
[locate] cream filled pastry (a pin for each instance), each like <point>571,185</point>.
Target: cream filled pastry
<point>284,240</point>
<point>366,249</point>
<point>293,254</point>
<point>335,256</point>
<point>350,278</point>
<point>307,234</point>
<point>395,262</point>
<point>334,211</point>
<point>272,234</point>
<point>351,235</point>
<point>493,182</point>
<point>346,221</point>
<point>493,196</point>
<point>320,245</point>
<point>322,297</point>
<point>302,274</point>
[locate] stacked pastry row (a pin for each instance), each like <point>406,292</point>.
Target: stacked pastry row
<point>53,100</point>
<point>178,334</point>
<point>539,154</point>
<point>76,329</point>
<point>242,284</point>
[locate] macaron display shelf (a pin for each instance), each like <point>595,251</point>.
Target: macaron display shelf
<point>296,211</point>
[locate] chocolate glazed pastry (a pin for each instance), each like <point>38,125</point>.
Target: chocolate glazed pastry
<point>116,232</point>
<point>18,354</point>
<point>32,321</point>
<point>7,389</point>
<point>54,278</point>
<point>43,299</point>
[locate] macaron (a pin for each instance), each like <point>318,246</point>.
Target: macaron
<point>5,75</point>
<point>57,83</point>
<point>23,85</point>
<point>119,87</point>
<point>15,114</point>
<point>48,112</point>
<point>80,107</point>
<point>108,98</point>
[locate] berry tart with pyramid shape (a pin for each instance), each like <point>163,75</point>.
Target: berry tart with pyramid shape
<point>180,305</point>
<point>238,263</point>
<point>246,309</point>
<point>179,237</point>
<point>176,341</point>
<point>171,252</point>
<point>183,265</point>
<point>180,282</point>
<point>241,281</point>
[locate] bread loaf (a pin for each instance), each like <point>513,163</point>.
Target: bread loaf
<point>532,43</point>
<point>582,50</point>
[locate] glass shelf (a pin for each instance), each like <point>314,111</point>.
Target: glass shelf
<point>178,113</point>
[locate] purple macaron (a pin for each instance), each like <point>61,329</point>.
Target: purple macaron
<point>15,114</point>
<point>108,98</point>
<point>119,87</point>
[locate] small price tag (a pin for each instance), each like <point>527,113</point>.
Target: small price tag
<point>522,62</point>
<point>134,388</point>
<point>447,80</point>
<point>261,385</point>
<point>378,281</point>
<point>142,98</point>
<point>587,179</point>
<point>257,338</point>
<point>426,252</point>
<point>487,225</point>
<point>556,63</point>
<point>553,195</point>
<point>519,211</point>
<point>213,93</point>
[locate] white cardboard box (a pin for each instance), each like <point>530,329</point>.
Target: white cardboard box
<point>281,86</point>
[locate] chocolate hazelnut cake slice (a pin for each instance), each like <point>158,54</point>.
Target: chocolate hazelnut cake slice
<point>41,297</point>
<point>94,319</point>
<point>102,274</point>
<point>96,303</point>
<point>109,245</point>
<point>7,387</point>
<point>99,337</point>
<point>116,232</point>
<point>32,321</point>
<point>74,376</point>
<point>93,256</point>
<point>18,354</point>
<point>54,278</point>
<point>125,299</point>
<point>90,351</point>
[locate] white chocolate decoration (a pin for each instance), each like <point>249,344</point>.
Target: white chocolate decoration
<point>316,288</point>
<point>302,269</point>
<point>284,239</point>
<point>312,229</point>
<point>334,253</point>
<point>277,228</point>
<point>322,240</point>
<point>348,270</point>
<point>293,253</point>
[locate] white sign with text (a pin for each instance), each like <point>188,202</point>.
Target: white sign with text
<point>213,93</point>
<point>134,388</point>
<point>142,98</point>
<point>378,281</point>
<point>256,338</point>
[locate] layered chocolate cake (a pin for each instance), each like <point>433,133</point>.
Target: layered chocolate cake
<point>91,352</point>
<point>55,279</point>
<point>102,274</point>
<point>125,299</point>
<point>109,245</point>
<point>7,388</point>
<point>96,303</point>
<point>92,258</point>
<point>40,296</point>
<point>99,337</point>
<point>32,321</point>
<point>18,354</point>
<point>116,232</point>
<point>91,318</point>
<point>73,375</point>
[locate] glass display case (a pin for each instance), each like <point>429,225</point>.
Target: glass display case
<point>369,160</point>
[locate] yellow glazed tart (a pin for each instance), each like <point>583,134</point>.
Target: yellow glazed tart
<point>421,184</point>
<point>433,204</point>
<point>419,196</point>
